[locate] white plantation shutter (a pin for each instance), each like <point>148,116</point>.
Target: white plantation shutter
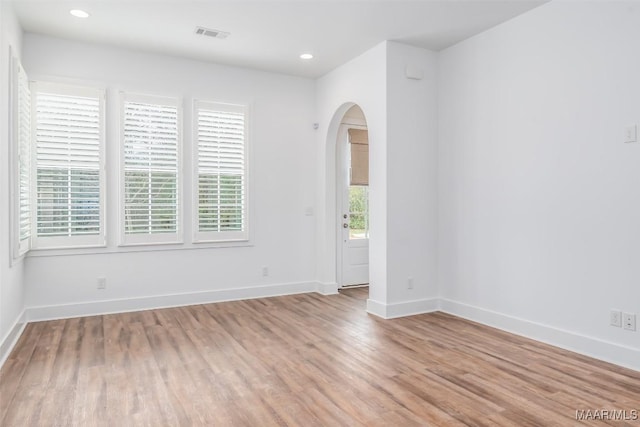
<point>20,154</point>
<point>24,156</point>
<point>221,132</point>
<point>68,171</point>
<point>151,169</point>
<point>22,144</point>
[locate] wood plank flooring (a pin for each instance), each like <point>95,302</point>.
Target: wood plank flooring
<point>300,360</point>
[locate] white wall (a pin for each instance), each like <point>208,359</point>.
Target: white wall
<point>11,273</point>
<point>411,176</point>
<point>539,198</point>
<point>282,186</point>
<point>361,81</point>
<point>401,119</point>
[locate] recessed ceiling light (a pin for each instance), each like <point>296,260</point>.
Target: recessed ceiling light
<point>79,13</point>
<point>306,56</point>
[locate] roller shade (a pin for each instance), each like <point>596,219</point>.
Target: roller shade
<point>359,143</point>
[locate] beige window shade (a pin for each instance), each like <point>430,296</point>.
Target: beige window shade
<point>359,142</point>
<point>359,136</point>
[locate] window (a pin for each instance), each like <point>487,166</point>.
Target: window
<point>358,212</point>
<point>69,168</point>
<point>359,184</point>
<point>21,199</point>
<point>220,159</point>
<point>150,163</point>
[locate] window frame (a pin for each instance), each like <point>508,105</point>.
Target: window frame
<point>157,238</point>
<point>230,237</point>
<point>69,242</point>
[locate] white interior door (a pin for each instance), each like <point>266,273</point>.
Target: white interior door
<point>354,217</point>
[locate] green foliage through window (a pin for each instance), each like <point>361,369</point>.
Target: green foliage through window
<point>358,212</point>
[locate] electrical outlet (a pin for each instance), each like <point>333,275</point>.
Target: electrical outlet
<point>265,271</point>
<point>616,318</point>
<point>409,282</point>
<point>102,282</point>
<point>629,321</point>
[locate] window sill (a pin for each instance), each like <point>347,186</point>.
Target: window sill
<point>132,248</point>
<point>230,242</point>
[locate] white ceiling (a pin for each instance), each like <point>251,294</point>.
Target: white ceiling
<point>265,34</point>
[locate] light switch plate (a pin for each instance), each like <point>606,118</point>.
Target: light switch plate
<point>631,134</point>
<point>616,318</point>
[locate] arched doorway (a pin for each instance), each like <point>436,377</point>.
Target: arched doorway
<point>352,200</point>
<point>331,216</point>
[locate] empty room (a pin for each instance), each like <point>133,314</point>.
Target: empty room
<point>319,212</point>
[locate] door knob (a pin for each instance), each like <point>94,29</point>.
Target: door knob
<point>345,225</point>
<point>345,216</point>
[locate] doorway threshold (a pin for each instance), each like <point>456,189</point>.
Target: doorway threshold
<point>361,285</point>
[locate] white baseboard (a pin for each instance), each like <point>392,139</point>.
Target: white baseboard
<point>610,352</point>
<point>401,309</point>
<point>10,340</point>
<point>327,288</point>
<point>628,357</point>
<point>95,308</point>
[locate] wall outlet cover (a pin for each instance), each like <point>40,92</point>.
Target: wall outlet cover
<point>629,321</point>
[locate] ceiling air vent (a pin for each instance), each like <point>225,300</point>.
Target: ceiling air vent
<point>211,33</point>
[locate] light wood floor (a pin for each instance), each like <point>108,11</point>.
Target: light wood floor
<point>298,360</point>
